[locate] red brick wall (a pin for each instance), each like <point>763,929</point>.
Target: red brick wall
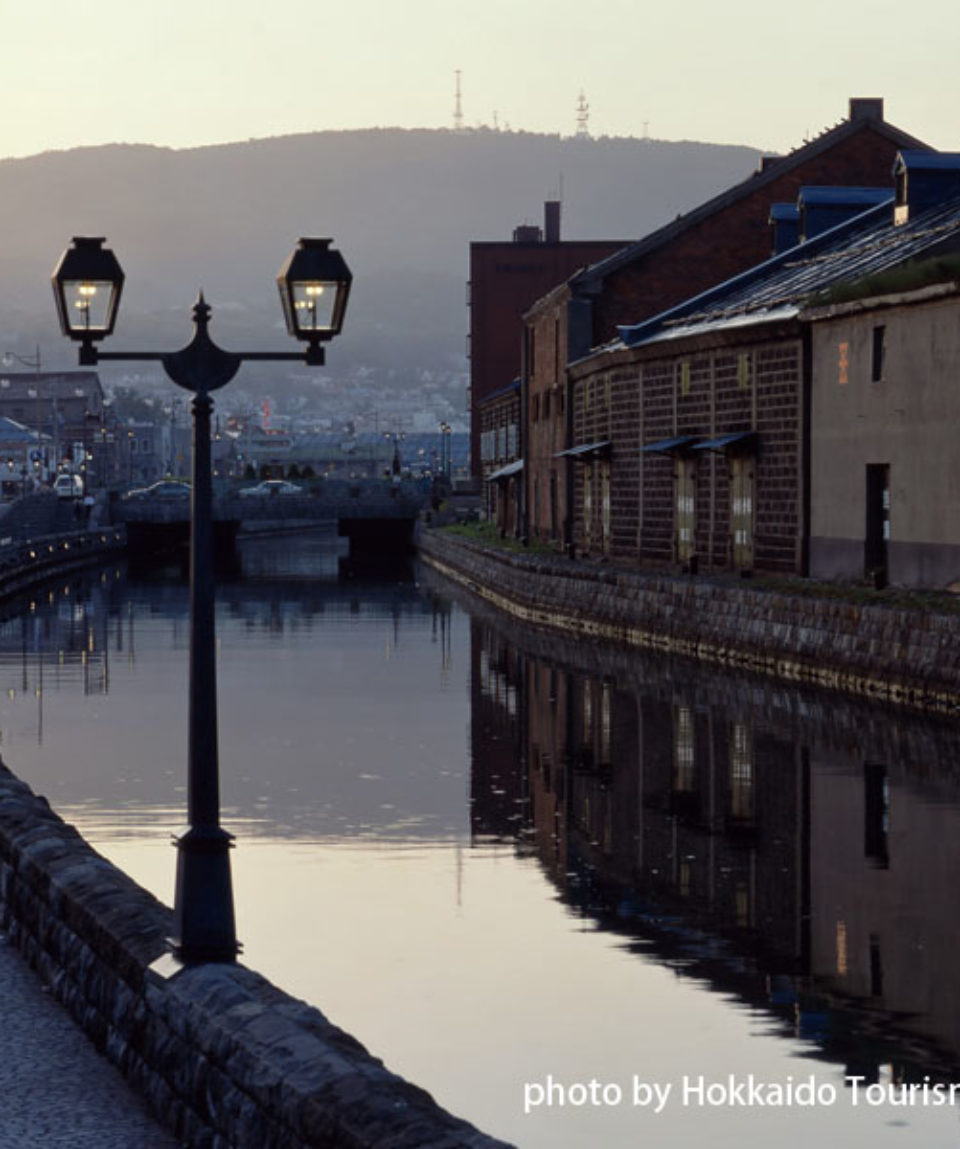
<point>735,237</point>
<point>546,420</point>
<point>506,279</point>
<point>496,416</point>
<point>642,396</point>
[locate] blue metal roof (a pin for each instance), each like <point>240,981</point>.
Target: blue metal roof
<point>741,439</point>
<point>780,287</point>
<point>584,449</point>
<point>506,471</point>
<point>843,197</point>
<point>927,161</point>
<point>784,211</point>
<point>14,432</point>
<point>666,446</point>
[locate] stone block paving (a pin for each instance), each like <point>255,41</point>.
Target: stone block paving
<point>55,1089</point>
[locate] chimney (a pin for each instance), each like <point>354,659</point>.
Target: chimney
<point>551,221</point>
<point>527,233</point>
<point>866,108</point>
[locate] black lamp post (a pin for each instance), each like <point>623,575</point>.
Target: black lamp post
<point>314,283</point>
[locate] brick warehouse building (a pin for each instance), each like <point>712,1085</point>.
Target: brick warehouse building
<point>693,431</point>
<point>505,279</point>
<point>723,237</point>
<point>500,456</point>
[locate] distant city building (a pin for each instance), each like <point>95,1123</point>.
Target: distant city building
<point>66,409</point>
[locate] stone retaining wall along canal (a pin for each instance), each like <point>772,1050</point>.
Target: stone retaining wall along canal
<point>24,563</point>
<point>220,1055</point>
<point>905,656</point>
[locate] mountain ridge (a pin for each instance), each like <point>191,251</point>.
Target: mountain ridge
<point>402,205</point>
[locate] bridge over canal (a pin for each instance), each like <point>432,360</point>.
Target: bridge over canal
<point>372,514</point>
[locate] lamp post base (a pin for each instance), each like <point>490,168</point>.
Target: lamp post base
<point>204,929</point>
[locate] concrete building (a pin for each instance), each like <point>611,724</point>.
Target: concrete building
<point>884,414</point>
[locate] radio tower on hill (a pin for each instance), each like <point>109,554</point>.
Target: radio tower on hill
<point>457,107</point>
<point>583,118</point>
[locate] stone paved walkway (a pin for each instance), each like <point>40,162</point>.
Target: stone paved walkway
<point>55,1089</point>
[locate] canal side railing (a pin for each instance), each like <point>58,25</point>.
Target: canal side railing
<point>908,656</point>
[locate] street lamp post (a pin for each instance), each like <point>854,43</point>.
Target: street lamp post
<point>314,284</point>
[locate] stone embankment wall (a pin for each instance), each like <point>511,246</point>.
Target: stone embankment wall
<point>220,1054</point>
<point>23,564</point>
<point>905,656</point>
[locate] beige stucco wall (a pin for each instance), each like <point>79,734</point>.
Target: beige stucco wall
<point>909,419</point>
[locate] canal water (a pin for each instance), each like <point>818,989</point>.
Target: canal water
<point>584,897</point>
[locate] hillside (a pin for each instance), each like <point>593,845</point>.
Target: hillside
<point>403,206</point>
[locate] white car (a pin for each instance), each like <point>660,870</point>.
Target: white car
<point>270,487</point>
<point>68,487</point>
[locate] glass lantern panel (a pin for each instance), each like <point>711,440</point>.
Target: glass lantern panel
<point>88,304</point>
<point>313,304</point>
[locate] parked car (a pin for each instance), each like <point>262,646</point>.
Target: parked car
<point>164,489</point>
<point>68,487</point>
<point>270,487</point>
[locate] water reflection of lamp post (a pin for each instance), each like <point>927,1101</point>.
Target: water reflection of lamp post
<point>314,284</point>
<point>90,466</point>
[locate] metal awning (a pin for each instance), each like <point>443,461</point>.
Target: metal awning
<point>669,446</point>
<point>584,450</point>
<point>505,472</point>
<point>735,441</point>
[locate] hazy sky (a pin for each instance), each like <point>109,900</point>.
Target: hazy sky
<point>183,72</point>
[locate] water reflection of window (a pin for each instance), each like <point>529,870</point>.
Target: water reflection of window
<point>742,904</point>
<point>684,879</point>
<point>842,963</point>
<point>876,967</point>
<point>587,713</point>
<point>741,772</point>
<point>876,809</point>
<point>683,750</point>
<point>606,721</point>
<point>546,769</point>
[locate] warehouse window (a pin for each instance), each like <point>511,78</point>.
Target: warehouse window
<point>879,351</point>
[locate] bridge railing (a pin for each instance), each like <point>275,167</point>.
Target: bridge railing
<point>325,499</point>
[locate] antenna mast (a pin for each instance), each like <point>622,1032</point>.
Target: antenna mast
<point>457,107</point>
<point>583,118</point>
